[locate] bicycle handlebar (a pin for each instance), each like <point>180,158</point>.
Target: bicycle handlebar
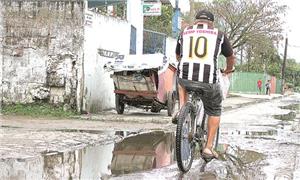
<point>223,71</point>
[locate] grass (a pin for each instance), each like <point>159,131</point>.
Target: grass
<point>37,110</point>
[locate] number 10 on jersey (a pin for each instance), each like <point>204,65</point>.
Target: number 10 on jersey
<point>198,47</point>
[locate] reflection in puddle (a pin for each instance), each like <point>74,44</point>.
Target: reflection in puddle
<point>145,151</point>
<point>95,161</point>
<point>243,164</point>
<point>135,153</point>
<point>243,157</point>
<point>235,164</point>
<point>286,117</point>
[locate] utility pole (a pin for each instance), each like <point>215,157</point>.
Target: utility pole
<point>283,66</point>
<point>241,55</point>
<point>175,28</point>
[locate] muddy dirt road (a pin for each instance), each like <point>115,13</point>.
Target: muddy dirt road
<point>263,139</point>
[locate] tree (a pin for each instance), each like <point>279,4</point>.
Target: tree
<point>161,23</point>
<point>248,20</point>
<point>292,73</point>
<point>253,27</point>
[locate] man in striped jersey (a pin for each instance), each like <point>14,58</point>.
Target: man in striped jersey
<point>197,51</point>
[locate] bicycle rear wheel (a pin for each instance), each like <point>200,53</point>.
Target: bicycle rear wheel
<point>185,145</point>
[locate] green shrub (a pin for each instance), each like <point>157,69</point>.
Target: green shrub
<point>36,110</point>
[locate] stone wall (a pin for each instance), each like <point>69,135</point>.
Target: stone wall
<point>42,51</point>
<point>101,33</point>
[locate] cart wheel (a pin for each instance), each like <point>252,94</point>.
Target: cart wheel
<point>171,102</point>
<point>155,109</point>
<point>119,104</point>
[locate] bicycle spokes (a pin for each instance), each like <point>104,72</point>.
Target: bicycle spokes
<point>187,141</point>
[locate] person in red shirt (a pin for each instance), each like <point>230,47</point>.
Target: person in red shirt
<point>259,84</point>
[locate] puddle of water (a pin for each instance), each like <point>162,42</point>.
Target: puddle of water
<point>139,153</point>
<point>295,107</point>
<point>135,153</point>
<point>255,133</point>
<point>143,152</point>
<point>264,138</point>
<point>271,132</point>
<point>286,117</point>
<point>236,164</point>
<point>90,131</point>
<point>264,125</point>
<point>243,157</point>
<point>13,127</point>
<point>81,131</point>
<point>243,164</point>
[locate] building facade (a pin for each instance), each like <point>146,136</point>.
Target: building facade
<point>50,51</point>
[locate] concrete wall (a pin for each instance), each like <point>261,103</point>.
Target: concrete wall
<point>108,33</point>
<point>170,49</point>
<point>42,51</point>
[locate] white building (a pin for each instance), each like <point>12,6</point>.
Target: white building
<point>51,50</point>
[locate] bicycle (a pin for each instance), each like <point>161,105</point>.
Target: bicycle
<point>191,129</point>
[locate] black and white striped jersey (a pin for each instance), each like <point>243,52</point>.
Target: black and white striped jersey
<point>199,49</point>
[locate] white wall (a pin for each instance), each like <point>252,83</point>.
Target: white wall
<point>136,18</point>
<point>106,33</point>
<point>40,56</point>
<point>170,48</point>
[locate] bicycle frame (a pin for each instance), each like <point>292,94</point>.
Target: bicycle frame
<point>198,110</point>
<point>192,129</point>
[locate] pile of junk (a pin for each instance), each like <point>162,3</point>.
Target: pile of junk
<point>144,81</point>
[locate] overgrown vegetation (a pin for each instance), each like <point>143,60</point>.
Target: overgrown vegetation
<point>255,30</point>
<point>118,8</point>
<point>37,110</point>
<point>161,23</point>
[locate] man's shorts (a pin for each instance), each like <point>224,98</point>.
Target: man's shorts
<point>211,96</point>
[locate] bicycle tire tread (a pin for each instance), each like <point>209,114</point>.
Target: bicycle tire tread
<point>183,112</point>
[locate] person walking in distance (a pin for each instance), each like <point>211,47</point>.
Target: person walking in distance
<point>268,86</point>
<point>197,51</point>
<point>259,85</point>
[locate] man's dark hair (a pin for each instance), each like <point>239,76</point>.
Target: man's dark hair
<point>205,15</point>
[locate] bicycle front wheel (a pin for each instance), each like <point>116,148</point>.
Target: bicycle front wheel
<point>185,145</point>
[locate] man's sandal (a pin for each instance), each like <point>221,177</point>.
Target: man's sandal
<point>209,156</point>
<point>175,117</point>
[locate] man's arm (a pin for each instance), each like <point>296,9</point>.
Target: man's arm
<point>178,57</point>
<point>227,51</point>
<point>230,61</point>
<point>178,50</point>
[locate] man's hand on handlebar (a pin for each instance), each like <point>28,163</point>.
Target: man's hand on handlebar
<point>227,71</point>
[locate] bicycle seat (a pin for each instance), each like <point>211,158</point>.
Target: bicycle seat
<point>196,93</point>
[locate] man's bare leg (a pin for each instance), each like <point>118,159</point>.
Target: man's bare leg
<point>212,125</point>
<point>183,96</point>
